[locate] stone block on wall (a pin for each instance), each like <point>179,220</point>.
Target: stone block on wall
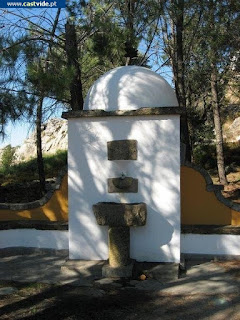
<point>122,185</point>
<point>122,150</point>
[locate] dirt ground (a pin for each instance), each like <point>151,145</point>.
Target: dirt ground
<point>232,190</point>
<point>44,301</point>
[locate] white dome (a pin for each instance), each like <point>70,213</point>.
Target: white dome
<point>130,88</point>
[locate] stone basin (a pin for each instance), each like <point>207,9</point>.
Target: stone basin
<point>120,214</point>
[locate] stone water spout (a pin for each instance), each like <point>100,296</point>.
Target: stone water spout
<point>122,184</point>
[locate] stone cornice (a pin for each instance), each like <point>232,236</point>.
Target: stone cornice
<point>210,229</point>
<point>123,113</point>
<point>34,224</point>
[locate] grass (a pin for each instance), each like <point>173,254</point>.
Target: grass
<point>27,171</point>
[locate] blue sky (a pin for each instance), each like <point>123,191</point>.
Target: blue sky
<point>15,133</point>
<point>18,131</point>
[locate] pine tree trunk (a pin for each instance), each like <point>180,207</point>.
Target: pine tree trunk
<point>40,163</point>
<point>178,70</point>
<point>130,28</point>
<point>72,57</point>
<point>41,171</point>
<point>218,128</point>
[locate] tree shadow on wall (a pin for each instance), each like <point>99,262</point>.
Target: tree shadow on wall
<point>89,169</point>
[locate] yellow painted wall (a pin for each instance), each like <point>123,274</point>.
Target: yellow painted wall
<point>56,209</point>
<point>199,206</point>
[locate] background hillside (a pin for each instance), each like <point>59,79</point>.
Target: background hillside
<point>54,138</point>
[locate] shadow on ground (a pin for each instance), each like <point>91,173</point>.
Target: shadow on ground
<point>46,301</point>
<point>32,287</point>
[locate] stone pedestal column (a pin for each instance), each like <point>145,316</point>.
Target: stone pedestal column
<point>119,217</point>
<point>118,243</point>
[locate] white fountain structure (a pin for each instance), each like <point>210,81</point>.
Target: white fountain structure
<point>124,154</point>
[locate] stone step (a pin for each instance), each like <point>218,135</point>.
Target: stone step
<point>91,270</point>
<point>163,272</point>
<point>88,269</point>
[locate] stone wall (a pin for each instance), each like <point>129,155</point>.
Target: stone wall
<point>52,207</point>
<point>23,192</point>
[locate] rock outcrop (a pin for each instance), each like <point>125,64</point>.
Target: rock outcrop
<point>232,134</point>
<point>54,138</point>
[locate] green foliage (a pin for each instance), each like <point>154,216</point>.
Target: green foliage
<point>27,170</point>
<point>14,107</point>
<point>200,124</point>
<point>232,153</point>
<point>7,157</point>
<point>54,163</point>
<point>205,155</point>
<point>214,45</point>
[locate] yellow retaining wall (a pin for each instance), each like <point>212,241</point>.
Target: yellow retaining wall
<point>56,209</point>
<point>199,206</point>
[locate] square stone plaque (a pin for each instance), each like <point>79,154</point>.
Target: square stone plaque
<point>122,150</point>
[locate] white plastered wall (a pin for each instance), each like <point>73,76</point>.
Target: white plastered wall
<point>157,170</point>
<point>213,244</point>
<point>32,238</point>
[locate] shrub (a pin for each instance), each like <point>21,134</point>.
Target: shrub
<point>7,157</point>
<point>28,170</point>
<point>205,155</point>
